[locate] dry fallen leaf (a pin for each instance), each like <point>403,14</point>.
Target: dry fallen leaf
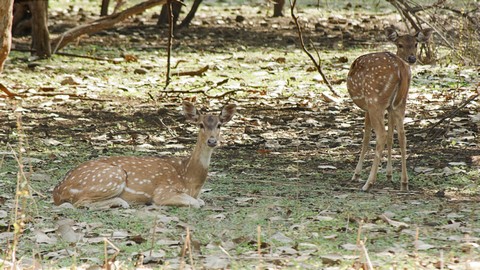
<point>67,233</point>
<point>41,237</point>
<point>280,237</point>
<point>420,245</point>
<point>349,246</point>
<point>216,262</point>
<point>396,224</point>
<point>331,259</point>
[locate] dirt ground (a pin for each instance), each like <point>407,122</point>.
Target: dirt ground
<point>285,143</point>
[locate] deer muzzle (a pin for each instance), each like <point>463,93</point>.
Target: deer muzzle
<point>411,59</point>
<point>212,142</point>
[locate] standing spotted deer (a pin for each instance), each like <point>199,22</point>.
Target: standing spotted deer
<point>122,181</point>
<point>379,82</point>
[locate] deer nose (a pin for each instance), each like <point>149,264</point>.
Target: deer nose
<point>212,142</point>
<point>411,59</point>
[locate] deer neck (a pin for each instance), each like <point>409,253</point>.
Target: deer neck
<point>197,168</point>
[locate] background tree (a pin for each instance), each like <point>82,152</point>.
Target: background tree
<point>6,11</point>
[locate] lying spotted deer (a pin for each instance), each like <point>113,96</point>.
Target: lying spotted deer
<point>121,181</point>
<point>379,82</point>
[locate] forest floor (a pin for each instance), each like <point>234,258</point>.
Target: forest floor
<point>279,193</point>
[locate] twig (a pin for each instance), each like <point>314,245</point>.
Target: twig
<point>259,246</point>
<point>178,63</point>
<point>302,43</point>
<point>153,234</point>
<point>359,233</point>
<point>224,251</point>
<point>367,258</point>
<point>198,72</point>
<point>190,250</point>
<point>8,92</point>
<point>101,24</point>
<point>108,262</point>
<point>205,92</point>
<point>22,192</point>
<point>450,114</point>
<point>416,244</point>
<point>71,55</point>
<point>85,56</point>
<point>11,94</point>
<point>170,40</point>
<point>186,246</point>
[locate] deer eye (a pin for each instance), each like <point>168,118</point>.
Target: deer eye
<point>400,46</point>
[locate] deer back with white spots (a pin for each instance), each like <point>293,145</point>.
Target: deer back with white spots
<point>379,82</point>
<point>121,181</point>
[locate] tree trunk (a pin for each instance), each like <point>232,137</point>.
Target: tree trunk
<point>40,34</point>
<point>165,13</point>
<point>6,15</point>
<point>104,8</point>
<point>188,19</point>
<point>278,8</point>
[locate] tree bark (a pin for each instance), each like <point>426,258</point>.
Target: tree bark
<point>102,23</point>
<point>104,8</point>
<point>40,34</point>
<point>278,8</point>
<point>6,16</point>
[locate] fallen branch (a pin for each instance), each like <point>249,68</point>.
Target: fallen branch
<point>451,114</point>
<point>204,92</point>
<point>102,23</point>
<point>52,94</point>
<point>9,94</point>
<point>192,73</point>
<point>317,64</point>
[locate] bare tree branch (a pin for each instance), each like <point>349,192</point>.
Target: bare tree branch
<point>302,43</point>
<point>102,23</point>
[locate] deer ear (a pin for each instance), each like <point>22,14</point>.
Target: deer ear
<point>227,113</point>
<point>391,33</point>
<point>424,35</point>
<point>190,112</point>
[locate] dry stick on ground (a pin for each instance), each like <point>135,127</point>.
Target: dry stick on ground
<point>198,72</point>
<point>4,89</point>
<point>302,43</point>
<point>22,191</point>
<point>204,92</point>
<point>102,23</point>
<point>365,254</point>
<point>186,246</point>
<point>451,114</point>
<point>109,261</point>
<point>71,55</point>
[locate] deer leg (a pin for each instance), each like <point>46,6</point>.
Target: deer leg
<point>113,202</point>
<point>174,196</point>
<point>179,199</point>
<point>402,141</point>
<point>366,141</point>
<point>391,127</point>
<point>376,119</point>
